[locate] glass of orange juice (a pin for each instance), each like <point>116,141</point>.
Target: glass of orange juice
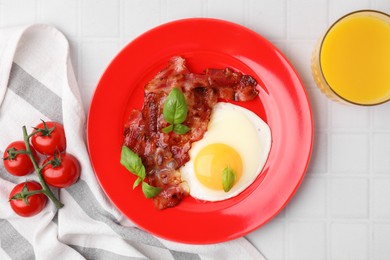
<point>351,63</point>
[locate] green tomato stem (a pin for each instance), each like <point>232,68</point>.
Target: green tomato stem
<point>23,194</point>
<point>32,133</point>
<point>45,188</point>
<point>45,164</point>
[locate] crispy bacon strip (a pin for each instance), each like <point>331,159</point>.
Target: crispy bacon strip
<point>163,154</point>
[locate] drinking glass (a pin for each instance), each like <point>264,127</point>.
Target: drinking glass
<point>351,62</point>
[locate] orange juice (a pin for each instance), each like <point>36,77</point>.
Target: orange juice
<point>353,60</point>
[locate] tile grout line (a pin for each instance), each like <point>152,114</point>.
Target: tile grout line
<point>118,22</point>
<point>370,187</point>
<point>286,226</point>
<point>339,220</point>
<point>346,175</point>
<point>204,8</point>
<point>273,40</point>
<point>121,23</point>
<point>1,14</point>
<point>328,222</point>
<point>163,11</point>
<point>351,131</point>
<point>245,12</point>
<point>37,8</point>
<point>370,178</point>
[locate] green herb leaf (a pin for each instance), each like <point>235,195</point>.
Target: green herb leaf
<point>167,129</point>
<point>180,129</point>
<point>137,182</point>
<point>150,191</point>
<point>132,162</point>
<point>175,107</point>
<point>228,178</point>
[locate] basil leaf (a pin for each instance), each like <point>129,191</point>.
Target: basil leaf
<point>137,182</point>
<point>150,191</point>
<point>180,129</point>
<point>132,162</point>
<point>228,178</point>
<point>167,129</point>
<point>175,107</point>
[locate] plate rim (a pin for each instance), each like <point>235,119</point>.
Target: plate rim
<point>302,88</point>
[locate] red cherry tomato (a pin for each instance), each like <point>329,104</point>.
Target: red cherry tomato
<point>51,138</point>
<point>63,175</point>
<point>35,203</point>
<point>21,164</point>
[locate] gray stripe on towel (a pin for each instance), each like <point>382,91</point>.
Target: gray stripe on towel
<point>101,254</point>
<point>49,104</point>
<point>35,93</point>
<point>184,256</point>
<point>82,194</point>
<point>13,243</point>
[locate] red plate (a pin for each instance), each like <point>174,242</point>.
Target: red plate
<point>282,103</point>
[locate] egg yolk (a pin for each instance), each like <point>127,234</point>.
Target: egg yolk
<point>212,160</point>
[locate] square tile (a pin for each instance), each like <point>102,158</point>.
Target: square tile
<point>177,9</point>
<point>269,239</point>
<point>349,197</point>
<point>307,19</point>
<point>61,13</point>
<point>381,116</point>
<point>306,240</point>
<point>381,248</point>
<point>268,18</point>
<point>349,241</point>
<point>300,54</point>
<point>95,57</point>
<point>341,8</point>
<point>319,106</point>
<point>381,153</point>
<point>349,153</point>
<point>381,198</point>
<point>140,16</point>
<point>310,199</point>
<point>281,45</point>
<point>18,12</point>
<point>229,10</point>
<point>281,214</point>
<point>381,5</point>
<point>349,116</point>
<point>100,19</point>
<point>319,156</point>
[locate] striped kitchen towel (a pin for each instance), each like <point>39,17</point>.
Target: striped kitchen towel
<point>37,82</point>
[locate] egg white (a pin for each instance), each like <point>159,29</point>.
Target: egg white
<point>242,130</point>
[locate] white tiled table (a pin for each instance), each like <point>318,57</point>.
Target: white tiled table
<point>342,209</point>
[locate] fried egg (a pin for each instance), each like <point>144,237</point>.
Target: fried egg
<point>235,138</point>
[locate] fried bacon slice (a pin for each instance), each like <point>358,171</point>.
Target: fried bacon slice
<point>163,154</point>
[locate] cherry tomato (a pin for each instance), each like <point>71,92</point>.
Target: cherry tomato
<point>35,203</point>
<point>21,164</point>
<point>64,174</point>
<point>50,138</point>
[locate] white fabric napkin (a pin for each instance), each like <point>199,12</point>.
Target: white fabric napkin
<point>37,82</point>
